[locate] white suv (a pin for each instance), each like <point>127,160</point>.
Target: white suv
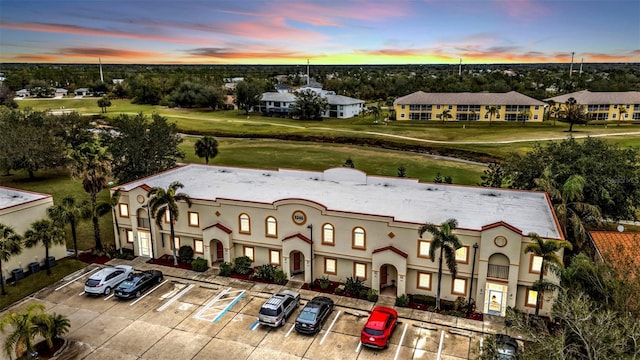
<point>107,279</point>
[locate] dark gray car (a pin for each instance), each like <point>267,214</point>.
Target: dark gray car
<point>314,314</point>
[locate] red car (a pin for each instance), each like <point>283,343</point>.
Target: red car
<point>378,329</point>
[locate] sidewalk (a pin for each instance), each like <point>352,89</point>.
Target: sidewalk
<point>490,324</point>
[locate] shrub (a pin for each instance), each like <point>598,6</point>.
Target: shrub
<point>363,293</point>
<point>402,300</point>
<point>460,304</point>
<point>324,282</point>
<point>372,295</point>
<point>339,290</point>
<point>185,253</point>
<point>446,304</point>
<point>423,299</point>
<point>353,286</point>
<point>226,269</point>
<point>265,272</point>
<point>279,277</point>
<point>199,265</point>
<point>243,265</point>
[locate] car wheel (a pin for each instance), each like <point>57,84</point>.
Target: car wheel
<point>386,346</point>
<point>159,279</point>
<point>107,291</point>
<point>138,293</point>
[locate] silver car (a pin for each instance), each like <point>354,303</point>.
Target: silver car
<point>107,279</point>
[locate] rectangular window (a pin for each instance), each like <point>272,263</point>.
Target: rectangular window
<point>402,116</point>
<point>531,299</point>
<point>124,210</point>
<point>249,251</point>
<point>423,248</point>
<point>274,257</point>
<point>424,281</point>
<point>535,264</point>
<point>176,242</point>
<point>360,271</point>
<point>459,287</point>
<point>130,236</point>
<point>194,219</point>
<point>462,255</point>
<point>330,266</point>
<point>198,246</point>
<point>167,218</point>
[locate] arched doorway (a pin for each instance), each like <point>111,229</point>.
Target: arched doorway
<point>388,280</point>
<point>296,265</point>
<point>217,251</point>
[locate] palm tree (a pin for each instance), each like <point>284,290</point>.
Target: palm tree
<point>10,244</point>
<point>547,250</point>
<point>206,147</point>
<point>24,329</point>
<point>448,243</point>
<point>621,111</point>
<point>163,202</point>
<point>70,212</point>
<point>493,110</point>
<point>573,214</point>
<point>573,113</point>
<point>93,166</point>
<point>446,115</point>
<point>44,231</point>
<point>52,327</point>
<point>110,206</point>
<point>551,104</point>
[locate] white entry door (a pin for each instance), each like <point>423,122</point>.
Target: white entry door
<point>144,244</point>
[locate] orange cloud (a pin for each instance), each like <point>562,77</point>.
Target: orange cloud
<point>106,53</point>
<point>34,58</point>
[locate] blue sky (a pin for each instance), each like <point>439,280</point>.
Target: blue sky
<point>324,31</point>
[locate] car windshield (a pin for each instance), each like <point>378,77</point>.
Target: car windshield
<point>268,312</point>
<point>373,332</point>
<point>92,282</point>
<point>126,284</point>
<point>307,315</point>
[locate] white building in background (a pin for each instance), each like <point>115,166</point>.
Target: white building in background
<point>341,107</point>
<point>343,223</point>
<point>19,209</point>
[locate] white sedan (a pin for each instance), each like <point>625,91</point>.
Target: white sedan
<point>107,279</point>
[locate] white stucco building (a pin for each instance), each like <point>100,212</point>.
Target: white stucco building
<point>343,223</point>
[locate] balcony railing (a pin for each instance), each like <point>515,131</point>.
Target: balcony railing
<point>498,271</point>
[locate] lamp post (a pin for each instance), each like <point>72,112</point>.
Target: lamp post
<point>153,253</point>
<point>473,270</point>
<point>310,227</point>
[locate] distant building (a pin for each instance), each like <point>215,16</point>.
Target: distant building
<point>117,81</point>
<point>82,92</point>
<point>618,248</point>
<point>612,105</point>
<point>341,107</point>
<point>19,209</point>
<point>61,92</point>
<point>23,93</point>
<point>511,106</point>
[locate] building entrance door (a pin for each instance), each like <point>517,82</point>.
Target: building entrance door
<point>297,262</point>
<point>144,244</point>
<point>383,275</point>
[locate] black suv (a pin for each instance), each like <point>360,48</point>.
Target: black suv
<point>314,314</point>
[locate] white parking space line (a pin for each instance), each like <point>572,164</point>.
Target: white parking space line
<point>82,293</point>
<point>110,296</point>
<point>71,281</point>
<point>173,299</point>
<point>359,346</point>
<point>289,332</point>
<point>401,340</point>
<point>440,346</point>
<point>148,292</point>
<point>330,326</point>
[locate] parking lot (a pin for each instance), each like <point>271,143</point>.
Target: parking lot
<point>185,319</point>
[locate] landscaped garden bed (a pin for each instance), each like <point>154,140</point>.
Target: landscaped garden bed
<point>458,308</point>
<point>185,260</point>
<point>109,253</point>
<point>241,269</point>
<point>352,287</point>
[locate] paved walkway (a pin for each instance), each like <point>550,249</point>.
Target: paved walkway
<point>490,324</point>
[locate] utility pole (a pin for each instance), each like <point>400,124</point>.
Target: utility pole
<point>101,77</point>
<point>571,67</point>
<point>307,71</point>
<point>460,68</point>
<point>581,62</point>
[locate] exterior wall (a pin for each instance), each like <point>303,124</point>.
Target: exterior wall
<point>299,222</point>
<point>403,112</point>
<point>612,112</point>
<point>20,217</point>
<point>344,111</point>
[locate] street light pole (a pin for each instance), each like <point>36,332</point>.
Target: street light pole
<point>310,227</point>
<point>473,270</point>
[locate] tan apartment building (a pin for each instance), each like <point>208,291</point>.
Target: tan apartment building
<point>616,106</point>
<point>511,106</point>
<point>343,223</point>
<point>19,209</point>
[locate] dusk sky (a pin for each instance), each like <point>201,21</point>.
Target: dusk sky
<point>323,31</point>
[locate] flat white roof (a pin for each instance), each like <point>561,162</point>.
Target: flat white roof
<point>351,190</point>
<point>11,197</point>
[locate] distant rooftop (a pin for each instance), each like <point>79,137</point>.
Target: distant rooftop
<point>351,190</point>
<point>586,97</point>
<point>467,98</point>
<point>11,197</point>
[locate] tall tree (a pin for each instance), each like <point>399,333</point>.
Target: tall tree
<point>92,164</point>
<point>573,214</point>
<point>573,113</point>
<point>248,93</point>
<point>493,176</point>
<point>309,105</point>
<point>104,103</point>
<point>110,206</point>
<point>10,244</point>
<point>447,242</point>
<point>547,250</point>
<point>446,115</point>
<point>47,233</point>
<point>492,111</point>
<point>206,147</point>
<point>70,212</point>
<point>24,329</point>
<point>165,201</point>
<point>622,109</point>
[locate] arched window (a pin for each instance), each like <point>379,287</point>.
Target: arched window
<point>359,239</point>
<point>271,227</point>
<point>328,235</point>
<point>245,223</point>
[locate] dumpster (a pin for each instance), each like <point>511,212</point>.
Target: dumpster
<point>34,267</point>
<point>52,261</point>
<point>17,274</point>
